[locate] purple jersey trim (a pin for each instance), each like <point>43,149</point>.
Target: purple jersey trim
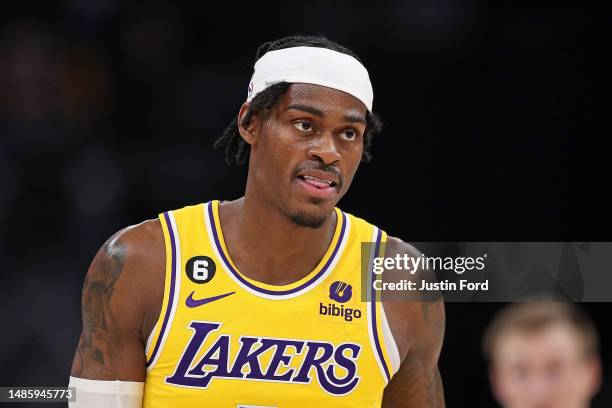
<point>171,292</point>
<point>373,305</point>
<point>265,291</point>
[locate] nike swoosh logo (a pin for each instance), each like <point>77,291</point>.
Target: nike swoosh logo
<point>191,302</point>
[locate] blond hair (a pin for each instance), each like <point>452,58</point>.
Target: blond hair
<point>531,317</point>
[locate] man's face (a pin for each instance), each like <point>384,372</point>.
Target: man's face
<point>306,151</point>
<point>543,369</point>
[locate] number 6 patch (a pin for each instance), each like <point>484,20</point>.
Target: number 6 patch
<point>200,269</point>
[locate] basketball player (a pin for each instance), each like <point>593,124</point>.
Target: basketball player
<point>543,354</point>
<point>257,302</point>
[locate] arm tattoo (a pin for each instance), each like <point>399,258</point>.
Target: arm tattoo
<point>98,318</point>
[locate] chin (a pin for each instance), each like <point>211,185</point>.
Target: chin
<point>312,215</point>
<point>308,220</point>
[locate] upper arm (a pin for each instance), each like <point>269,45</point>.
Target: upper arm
<point>122,286</point>
<point>418,328</point>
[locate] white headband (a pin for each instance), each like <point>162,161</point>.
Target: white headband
<point>312,65</point>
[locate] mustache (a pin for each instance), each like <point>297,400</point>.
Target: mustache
<point>313,165</point>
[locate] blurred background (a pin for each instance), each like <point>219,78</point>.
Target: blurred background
<point>109,109</point>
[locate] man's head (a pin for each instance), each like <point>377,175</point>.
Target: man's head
<point>303,141</point>
<point>543,355</point>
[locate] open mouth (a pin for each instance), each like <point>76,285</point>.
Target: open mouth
<point>318,182</point>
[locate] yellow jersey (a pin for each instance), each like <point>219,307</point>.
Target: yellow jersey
<point>225,340</point>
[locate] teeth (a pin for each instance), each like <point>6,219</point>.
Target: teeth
<point>318,179</point>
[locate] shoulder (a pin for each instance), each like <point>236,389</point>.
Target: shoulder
<point>129,270</point>
<point>141,250</point>
<point>139,244</point>
<point>121,295</point>
<point>140,239</point>
<point>400,247</point>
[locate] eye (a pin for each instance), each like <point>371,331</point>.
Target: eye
<point>303,125</point>
<point>349,134</point>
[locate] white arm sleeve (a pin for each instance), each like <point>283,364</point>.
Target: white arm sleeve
<point>106,394</point>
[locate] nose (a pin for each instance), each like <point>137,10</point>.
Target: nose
<point>324,149</point>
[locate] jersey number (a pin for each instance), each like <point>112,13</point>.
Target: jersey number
<point>200,269</point>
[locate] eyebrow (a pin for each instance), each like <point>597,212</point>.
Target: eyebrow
<point>349,117</point>
<point>355,118</point>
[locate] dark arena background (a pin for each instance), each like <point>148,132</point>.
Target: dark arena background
<point>109,109</point>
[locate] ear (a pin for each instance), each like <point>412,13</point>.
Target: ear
<point>494,380</point>
<point>594,374</point>
<point>249,131</point>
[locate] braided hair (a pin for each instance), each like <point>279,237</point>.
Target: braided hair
<point>236,149</point>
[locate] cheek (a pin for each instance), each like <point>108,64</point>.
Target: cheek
<point>509,386</point>
<point>355,152</point>
<point>281,151</point>
<point>352,158</point>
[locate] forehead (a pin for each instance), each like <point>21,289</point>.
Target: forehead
<point>558,342</point>
<point>323,98</point>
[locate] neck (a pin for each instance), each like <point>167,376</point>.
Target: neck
<point>267,246</point>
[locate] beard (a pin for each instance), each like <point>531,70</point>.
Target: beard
<point>303,219</point>
<point>308,219</point>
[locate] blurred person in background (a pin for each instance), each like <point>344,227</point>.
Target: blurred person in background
<point>543,355</point>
